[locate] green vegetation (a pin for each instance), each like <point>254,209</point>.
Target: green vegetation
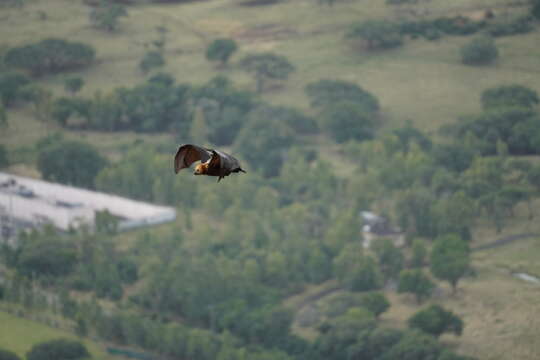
<point>106,15</point>
<point>50,56</point>
<point>70,162</point>
<point>8,355</point>
<point>435,320</point>
<point>58,349</point>
<point>377,34</point>
<point>266,66</point>
<point>221,50</point>
<point>448,154</point>
<point>479,51</point>
<point>417,283</point>
<point>450,259</point>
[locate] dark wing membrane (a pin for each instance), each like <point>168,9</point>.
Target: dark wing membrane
<point>227,162</point>
<point>188,154</point>
<point>215,162</point>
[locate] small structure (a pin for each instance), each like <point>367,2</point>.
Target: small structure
<point>376,227</point>
<point>28,203</point>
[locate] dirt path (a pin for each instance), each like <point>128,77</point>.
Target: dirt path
<point>503,241</point>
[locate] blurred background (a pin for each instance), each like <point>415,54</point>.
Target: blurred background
<point>389,210</point>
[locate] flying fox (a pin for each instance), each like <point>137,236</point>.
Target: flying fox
<point>212,162</point>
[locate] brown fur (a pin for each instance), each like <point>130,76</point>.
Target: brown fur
<point>201,169</point>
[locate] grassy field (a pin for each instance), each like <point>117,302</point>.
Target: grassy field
<point>423,81</point>
<point>498,308</point>
<point>19,335</point>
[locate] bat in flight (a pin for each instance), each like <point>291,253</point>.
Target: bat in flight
<point>212,162</point>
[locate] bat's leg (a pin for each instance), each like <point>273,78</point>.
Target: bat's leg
<point>219,179</point>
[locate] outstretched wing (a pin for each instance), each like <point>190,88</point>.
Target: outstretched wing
<point>187,154</point>
<point>227,162</point>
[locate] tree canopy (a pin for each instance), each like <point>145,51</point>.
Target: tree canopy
<point>267,66</point>
<point>435,320</point>
<point>450,259</point>
<point>221,50</point>
<point>70,162</point>
<point>60,349</point>
<point>50,56</point>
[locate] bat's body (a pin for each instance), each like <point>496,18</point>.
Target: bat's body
<point>212,162</point>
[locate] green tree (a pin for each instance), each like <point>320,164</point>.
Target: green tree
<point>70,162</point>
<point>106,222</point>
<point>535,9</point>
<point>198,131</point>
<point>8,355</point>
<point>46,256</point>
<point>377,34</point>
<point>450,259</point>
<point>419,253</point>
<point>221,50</point>
<point>106,15</point>
<point>479,51</point>
<point>267,66</point>
<point>151,60</point>
<point>4,160</point>
<point>41,100</point>
<point>509,95</point>
<point>10,85</point>
<point>417,283</point>
<point>389,256</point>
<point>60,349</point>
<point>340,335</point>
<point>375,302</point>
<point>225,109</point>
<point>263,143</point>
<point>455,214</point>
<point>73,84</point>
<point>3,117</point>
<point>414,345</point>
<point>326,92</point>
<point>435,320</point>
<point>348,121</point>
<point>357,272</point>
<point>50,56</point>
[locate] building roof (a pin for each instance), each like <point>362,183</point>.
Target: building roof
<point>38,201</point>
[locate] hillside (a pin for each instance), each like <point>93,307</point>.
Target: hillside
<point>270,264</point>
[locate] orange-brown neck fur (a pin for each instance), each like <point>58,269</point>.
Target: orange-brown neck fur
<point>201,169</point>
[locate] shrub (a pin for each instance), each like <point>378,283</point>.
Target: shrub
<point>50,56</point>
<point>327,92</point>
<point>479,51</point>
<point>70,162</point>
<point>377,34</point>
<point>58,350</point>
<point>106,16</point>
<point>435,320</point>
<point>509,95</point>
<point>8,355</point>
<point>348,121</point>
<point>221,50</point>
<point>73,84</point>
<point>151,60</point>
<point>11,84</point>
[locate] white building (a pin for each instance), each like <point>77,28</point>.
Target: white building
<point>35,202</point>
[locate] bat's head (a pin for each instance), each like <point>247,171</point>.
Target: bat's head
<point>200,169</point>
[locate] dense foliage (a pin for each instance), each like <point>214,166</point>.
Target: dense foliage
<point>435,320</point>
<point>58,350</point>
<point>70,162</point>
<point>50,56</point>
<point>479,51</point>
